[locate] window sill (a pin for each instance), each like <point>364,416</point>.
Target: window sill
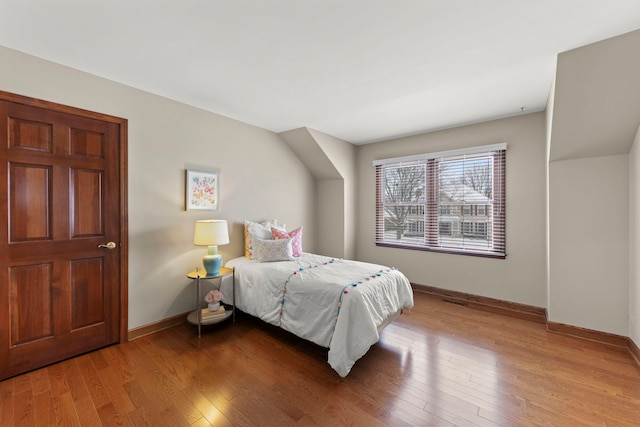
<point>443,250</point>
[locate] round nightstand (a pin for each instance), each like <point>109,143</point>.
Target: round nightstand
<point>195,317</point>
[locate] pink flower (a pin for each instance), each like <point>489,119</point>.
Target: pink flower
<point>213,296</point>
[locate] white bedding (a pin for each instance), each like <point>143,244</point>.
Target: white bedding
<point>335,303</point>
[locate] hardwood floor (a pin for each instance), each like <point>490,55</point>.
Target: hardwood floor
<point>440,364</point>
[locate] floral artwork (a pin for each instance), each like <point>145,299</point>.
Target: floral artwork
<point>203,190</point>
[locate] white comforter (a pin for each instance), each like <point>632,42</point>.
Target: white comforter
<point>334,303</point>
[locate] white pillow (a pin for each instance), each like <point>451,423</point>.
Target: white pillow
<point>273,250</point>
<point>256,230</point>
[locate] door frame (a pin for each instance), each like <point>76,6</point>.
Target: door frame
<point>122,174</point>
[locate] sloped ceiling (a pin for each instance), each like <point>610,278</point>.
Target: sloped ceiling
<point>596,109</point>
<point>360,70</point>
<point>306,147</point>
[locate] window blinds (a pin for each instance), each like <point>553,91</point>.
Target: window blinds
<point>451,201</point>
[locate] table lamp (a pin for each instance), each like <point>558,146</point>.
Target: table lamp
<point>211,233</point>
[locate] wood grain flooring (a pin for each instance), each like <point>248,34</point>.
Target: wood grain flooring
<point>439,364</point>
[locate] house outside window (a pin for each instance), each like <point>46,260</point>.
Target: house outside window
<point>450,201</point>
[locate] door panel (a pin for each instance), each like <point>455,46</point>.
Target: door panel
<point>29,202</point>
<point>30,135</point>
<point>30,287</point>
<point>60,295</point>
<point>87,143</point>
<point>86,192</point>
<point>87,293</point>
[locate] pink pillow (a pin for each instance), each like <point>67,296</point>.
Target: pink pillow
<point>296,235</point>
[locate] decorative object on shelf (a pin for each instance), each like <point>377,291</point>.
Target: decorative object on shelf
<point>213,298</point>
<point>208,315</point>
<point>202,191</point>
<point>211,233</point>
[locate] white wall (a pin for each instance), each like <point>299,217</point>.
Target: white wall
<point>589,223</point>
<point>343,157</point>
<point>594,119</point>
<point>521,276</point>
<point>634,241</point>
<point>331,208</point>
<point>332,162</point>
<point>260,177</point>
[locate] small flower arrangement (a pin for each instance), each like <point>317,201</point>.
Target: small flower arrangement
<point>213,296</point>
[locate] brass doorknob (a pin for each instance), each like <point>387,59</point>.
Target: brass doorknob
<point>110,245</point>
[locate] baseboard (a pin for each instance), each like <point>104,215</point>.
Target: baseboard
<point>588,334</point>
<point>521,311</point>
<point>635,351</point>
<point>158,326</point>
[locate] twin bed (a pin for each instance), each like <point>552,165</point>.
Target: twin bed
<point>338,304</point>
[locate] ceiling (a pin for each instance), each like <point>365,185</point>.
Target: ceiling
<point>359,70</point>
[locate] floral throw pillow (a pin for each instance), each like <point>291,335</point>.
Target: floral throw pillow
<point>296,235</point>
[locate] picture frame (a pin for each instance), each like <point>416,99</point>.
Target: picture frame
<point>202,190</point>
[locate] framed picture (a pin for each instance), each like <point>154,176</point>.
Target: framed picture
<point>203,190</point>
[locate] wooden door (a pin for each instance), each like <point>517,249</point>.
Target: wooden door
<point>60,293</point>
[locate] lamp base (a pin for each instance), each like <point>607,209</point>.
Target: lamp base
<point>212,262</point>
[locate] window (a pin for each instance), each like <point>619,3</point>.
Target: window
<point>467,228</point>
<point>474,229</point>
<point>416,227</point>
<point>417,210</point>
<point>445,228</point>
<point>450,201</point>
<point>481,229</point>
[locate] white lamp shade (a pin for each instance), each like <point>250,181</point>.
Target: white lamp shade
<point>211,232</point>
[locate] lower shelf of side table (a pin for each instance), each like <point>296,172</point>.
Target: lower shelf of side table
<point>193,317</point>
